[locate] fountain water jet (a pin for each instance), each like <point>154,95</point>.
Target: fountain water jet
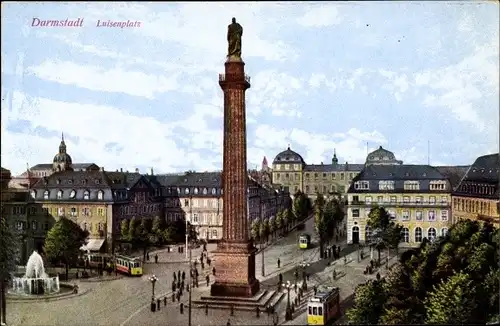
<point>35,281</point>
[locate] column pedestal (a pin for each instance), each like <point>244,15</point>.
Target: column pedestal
<point>235,270</point>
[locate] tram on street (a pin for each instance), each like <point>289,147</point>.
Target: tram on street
<point>95,260</point>
<point>128,265</point>
<point>304,241</point>
<point>324,307</point>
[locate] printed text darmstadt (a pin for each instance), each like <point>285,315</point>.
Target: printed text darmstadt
<point>37,22</point>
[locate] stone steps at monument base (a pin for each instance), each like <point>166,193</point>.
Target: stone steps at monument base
<point>269,298</point>
<point>256,298</point>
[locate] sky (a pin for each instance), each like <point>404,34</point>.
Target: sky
<point>413,77</point>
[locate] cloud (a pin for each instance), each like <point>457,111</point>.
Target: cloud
<point>88,128</point>
<point>115,80</point>
<point>320,16</point>
<point>458,87</point>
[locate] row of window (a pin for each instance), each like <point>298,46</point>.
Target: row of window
<point>73,211</point>
<point>22,225</point>
<point>408,185</point>
<point>88,226</point>
<point>406,199</point>
<point>418,233</point>
<point>478,189</point>
<point>406,215</point>
<point>307,176</point>
<point>195,191</point>
<point>127,210</point>
<point>471,206</point>
<point>72,194</point>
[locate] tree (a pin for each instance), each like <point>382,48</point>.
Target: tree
<point>369,299</point>
<point>132,228</point>
<point>452,302</point>
<point>279,221</point>
<point>385,233</point>
<point>124,230</point>
<point>158,225</point>
<point>9,252</point>
<point>272,226</point>
<point>333,216</point>
<point>63,242</point>
<point>264,230</point>
<point>301,206</point>
<point>320,224</point>
<point>255,229</point>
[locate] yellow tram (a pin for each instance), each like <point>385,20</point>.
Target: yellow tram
<point>304,241</point>
<point>96,259</point>
<point>324,307</point>
<point>128,265</point>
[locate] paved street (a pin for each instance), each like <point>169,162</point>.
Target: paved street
<point>126,301</point>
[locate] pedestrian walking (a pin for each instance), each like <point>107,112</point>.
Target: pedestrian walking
<point>279,263</point>
<point>208,280</point>
<point>156,258</point>
<point>213,271</point>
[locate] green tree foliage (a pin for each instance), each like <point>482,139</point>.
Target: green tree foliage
<point>132,228</point>
<point>368,302</point>
<point>301,206</point>
<point>9,253</point>
<point>124,230</point>
<point>453,280</point>
<point>264,229</point>
<point>333,215</point>
<point>386,233</point>
<point>320,224</point>
<point>255,229</point>
<point>279,220</point>
<point>452,301</point>
<point>63,242</point>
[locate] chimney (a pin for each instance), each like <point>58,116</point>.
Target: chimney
<point>102,168</point>
<point>121,169</point>
<point>136,170</point>
<point>152,172</point>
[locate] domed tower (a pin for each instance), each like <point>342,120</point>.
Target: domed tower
<point>287,170</point>
<point>62,161</point>
<point>335,160</point>
<point>382,156</point>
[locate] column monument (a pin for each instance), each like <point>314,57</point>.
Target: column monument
<point>235,253</point>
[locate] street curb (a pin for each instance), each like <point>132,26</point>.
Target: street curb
<point>97,279</point>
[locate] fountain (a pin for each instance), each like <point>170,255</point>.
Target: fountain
<point>35,281</point>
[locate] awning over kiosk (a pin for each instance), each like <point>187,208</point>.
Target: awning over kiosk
<point>93,245</point>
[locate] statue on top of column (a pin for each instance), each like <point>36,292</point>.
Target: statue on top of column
<point>234,33</point>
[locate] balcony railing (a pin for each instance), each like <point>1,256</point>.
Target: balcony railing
<point>233,78</point>
<point>399,203</point>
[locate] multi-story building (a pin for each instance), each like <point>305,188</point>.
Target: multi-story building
<point>290,170</point>
<point>418,197</point>
<point>477,197</point>
<point>19,212</point>
<point>97,201</point>
<point>198,198</point>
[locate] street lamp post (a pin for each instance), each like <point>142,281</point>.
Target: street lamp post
<point>304,266</point>
<point>187,228</point>
<point>190,284</point>
<point>288,314</point>
<point>263,271</point>
<point>153,280</point>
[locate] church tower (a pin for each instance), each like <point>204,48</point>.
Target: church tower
<point>62,161</point>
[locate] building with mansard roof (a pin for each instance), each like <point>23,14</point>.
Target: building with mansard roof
<point>477,196</point>
<point>198,198</point>
<point>418,197</point>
